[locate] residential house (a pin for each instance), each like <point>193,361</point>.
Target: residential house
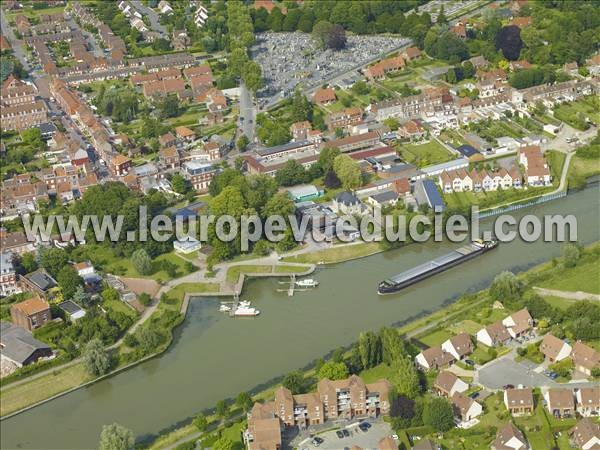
<point>586,435</point>
<point>347,203</point>
<point>585,358</point>
<point>119,165</point>
<point>385,198</point>
<point>560,402</point>
<point>31,313</point>
<point>518,323</point>
<point>378,70</point>
<point>554,349</point>
<point>459,30</point>
<point>434,358</point>
<point>494,334</point>
<point>72,310</point>
<point>537,172</point>
<point>164,7</point>
<point>200,15</point>
<point>593,65</point>
<point>465,408</point>
<point>264,428</point>
<point>167,140</point>
<point>84,268</point>
<point>411,53</point>
<point>213,150</point>
<point>324,96</point>
<point>15,242</point>
<point>299,130</point>
<point>412,130</point>
<point>8,275</point>
<point>509,437</point>
<point>19,347</point>
<point>519,65</point>
<point>39,282</point>
<point>185,134</point>
<point>519,401</point>
<point>447,384</point>
<point>344,118</point>
<point>180,40</point>
<point>459,346</point>
<point>588,401</point>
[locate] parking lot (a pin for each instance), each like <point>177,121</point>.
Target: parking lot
<point>288,59</point>
<point>365,439</point>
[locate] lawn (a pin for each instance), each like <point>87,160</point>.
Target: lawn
<point>190,117</point>
<point>465,326</point>
<point>234,272</point>
<point>124,267</point>
<point>574,113</point>
<point>337,254</point>
<point>492,199</point>
<point>423,155</point>
<point>179,292</point>
<point>559,302</point>
<point>435,338</point>
<point>377,373</point>
<point>583,277</point>
<point>15,398</point>
<point>30,12</point>
<point>582,168</point>
<point>481,355</point>
<point>290,269</point>
<point>119,306</point>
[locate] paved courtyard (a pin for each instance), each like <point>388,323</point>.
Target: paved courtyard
<point>366,440</point>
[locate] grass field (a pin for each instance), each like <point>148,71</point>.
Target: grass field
<point>119,306</point>
<point>15,398</point>
<point>124,267</point>
<point>583,277</point>
<point>435,338</point>
<point>336,254</point>
<point>290,269</point>
<point>376,373</point>
<point>465,326</point>
<point>193,288</point>
<point>234,272</point>
<point>423,155</point>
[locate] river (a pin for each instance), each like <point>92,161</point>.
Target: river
<point>214,357</point>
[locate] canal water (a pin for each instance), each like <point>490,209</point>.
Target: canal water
<point>215,357</point>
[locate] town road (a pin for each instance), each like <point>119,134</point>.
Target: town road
<point>16,44</point>
<point>152,15</point>
<point>247,113</point>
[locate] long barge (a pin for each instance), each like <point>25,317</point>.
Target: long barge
<point>430,268</point>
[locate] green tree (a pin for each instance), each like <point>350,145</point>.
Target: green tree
<point>438,414</point>
<point>200,422</point>
<point>570,255</point>
<point>69,280</point>
<point>406,377</point>
<point>294,381</point>
<point>27,263</point>
<point>392,346</point>
<point>506,286</point>
<point>168,107</point>
<point>369,348</point>
<point>53,260</point>
<point>244,401</point>
<point>116,437</point>
<point>291,173</point>
<point>222,409</point>
<point>326,158</point>
<point>141,262</point>
<point>348,171</point>
<point>224,443</point>
<point>242,143</point>
<point>180,184</point>
<point>279,205</point>
<point>95,358</point>
<point>252,76</point>
<point>149,339</point>
<point>392,123</point>
<point>333,371</point>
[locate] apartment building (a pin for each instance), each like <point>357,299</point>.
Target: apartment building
<point>378,70</point>
<point>199,174</point>
<point>334,400</point>
<point>8,275</point>
<point>19,109</point>
<point>344,118</point>
<point>414,106</point>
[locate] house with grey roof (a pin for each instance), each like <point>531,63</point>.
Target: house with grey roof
<point>20,347</point>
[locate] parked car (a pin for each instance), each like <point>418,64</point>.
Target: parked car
<point>509,386</point>
<point>474,395</point>
<point>317,441</point>
<point>346,433</point>
<point>469,362</point>
<point>339,434</point>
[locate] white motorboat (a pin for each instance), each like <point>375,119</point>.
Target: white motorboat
<point>309,282</point>
<point>245,303</point>
<point>246,311</point>
<point>224,308</point>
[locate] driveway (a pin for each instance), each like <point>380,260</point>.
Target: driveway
<point>506,370</point>
<point>367,440</point>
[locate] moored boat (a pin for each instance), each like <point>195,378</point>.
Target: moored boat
<point>247,311</point>
<point>422,271</point>
<point>309,282</point>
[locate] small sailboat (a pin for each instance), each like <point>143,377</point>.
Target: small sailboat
<point>308,282</point>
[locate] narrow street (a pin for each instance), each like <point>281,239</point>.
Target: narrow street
<point>152,15</point>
